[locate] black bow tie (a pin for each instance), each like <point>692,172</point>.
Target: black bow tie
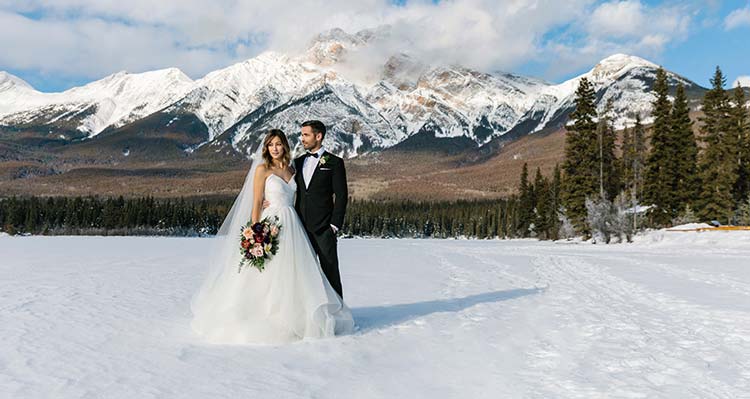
<point>312,154</point>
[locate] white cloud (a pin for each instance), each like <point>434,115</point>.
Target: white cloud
<point>93,38</point>
<point>618,19</point>
<point>743,81</point>
<point>737,18</point>
<point>92,47</point>
<point>629,27</point>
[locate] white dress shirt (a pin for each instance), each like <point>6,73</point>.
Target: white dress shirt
<point>308,168</point>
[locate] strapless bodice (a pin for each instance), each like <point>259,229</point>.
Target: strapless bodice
<point>278,192</point>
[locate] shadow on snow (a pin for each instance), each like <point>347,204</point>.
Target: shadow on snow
<point>374,317</point>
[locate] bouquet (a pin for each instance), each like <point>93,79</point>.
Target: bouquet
<point>258,242</point>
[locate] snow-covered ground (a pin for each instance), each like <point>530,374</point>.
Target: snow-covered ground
<point>667,316</point>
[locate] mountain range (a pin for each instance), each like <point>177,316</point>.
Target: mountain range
<point>400,105</point>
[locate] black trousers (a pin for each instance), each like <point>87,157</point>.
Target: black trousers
<point>324,245</point>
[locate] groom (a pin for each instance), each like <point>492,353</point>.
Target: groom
<point>321,198</point>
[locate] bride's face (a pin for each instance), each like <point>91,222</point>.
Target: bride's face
<point>276,148</point>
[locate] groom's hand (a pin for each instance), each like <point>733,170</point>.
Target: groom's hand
<point>266,204</point>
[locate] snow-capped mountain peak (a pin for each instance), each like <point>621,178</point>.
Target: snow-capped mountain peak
<point>330,47</point>
<point>616,65</point>
<point>132,84</point>
<point>125,97</point>
<point>114,100</point>
<point>10,82</point>
<point>15,94</point>
<point>223,97</point>
<point>398,98</point>
<point>623,79</point>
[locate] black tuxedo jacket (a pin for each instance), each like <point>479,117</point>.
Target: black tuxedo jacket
<point>315,204</point>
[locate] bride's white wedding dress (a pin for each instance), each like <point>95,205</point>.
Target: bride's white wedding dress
<point>290,300</point>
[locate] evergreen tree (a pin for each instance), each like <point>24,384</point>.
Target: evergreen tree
<point>32,213</point>
<point>3,214</point>
<point>526,203</point>
<point>543,210</point>
<point>741,131</point>
<point>686,151</point>
<point>658,187</point>
<point>556,203</point>
<point>627,150</point>
<point>580,166</point>
<point>718,161</point>
<point>639,158</point>
<point>606,162</point>
<point>743,213</point>
<point>632,163</point>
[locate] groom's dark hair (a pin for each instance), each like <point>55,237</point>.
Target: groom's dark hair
<point>316,127</point>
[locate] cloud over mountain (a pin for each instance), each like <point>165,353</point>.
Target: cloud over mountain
<point>90,38</point>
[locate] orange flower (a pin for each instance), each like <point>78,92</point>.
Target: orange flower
<point>247,233</point>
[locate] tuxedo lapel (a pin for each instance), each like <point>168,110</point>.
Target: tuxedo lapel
<point>298,174</point>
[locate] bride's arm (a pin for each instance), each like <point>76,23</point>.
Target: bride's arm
<point>259,186</point>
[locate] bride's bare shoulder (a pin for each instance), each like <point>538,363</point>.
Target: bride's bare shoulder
<point>261,170</point>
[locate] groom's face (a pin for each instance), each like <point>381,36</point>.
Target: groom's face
<point>310,140</point>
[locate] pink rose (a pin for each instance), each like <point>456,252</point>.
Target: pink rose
<point>274,231</point>
<point>257,250</point>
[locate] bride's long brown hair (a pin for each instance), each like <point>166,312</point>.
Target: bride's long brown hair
<point>286,158</point>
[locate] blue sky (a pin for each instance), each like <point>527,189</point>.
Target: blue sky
<point>708,43</point>
<point>712,45</point>
<point>57,44</point>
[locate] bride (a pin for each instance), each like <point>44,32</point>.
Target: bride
<point>288,301</point>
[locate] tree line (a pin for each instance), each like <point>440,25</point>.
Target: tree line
<point>115,216</point>
<point>668,177</point>
<point>186,217</point>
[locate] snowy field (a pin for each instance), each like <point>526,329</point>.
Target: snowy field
<point>667,316</point>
